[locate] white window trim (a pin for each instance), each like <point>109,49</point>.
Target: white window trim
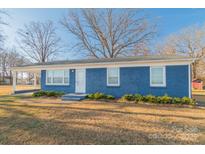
<point>58,84</point>
<point>114,85</point>
<point>164,77</point>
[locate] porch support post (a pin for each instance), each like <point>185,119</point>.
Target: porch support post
<point>14,82</point>
<point>35,80</point>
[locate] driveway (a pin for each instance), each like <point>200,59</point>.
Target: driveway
<point>200,99</point>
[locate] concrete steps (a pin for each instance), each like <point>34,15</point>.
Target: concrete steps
<point>73,97</point>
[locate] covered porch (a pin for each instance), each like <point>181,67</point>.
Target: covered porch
<point>25,81</point>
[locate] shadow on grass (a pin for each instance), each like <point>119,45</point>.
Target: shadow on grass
<point>6,100</point>
<point>25,128</point>
<point>15,96</point>
<point>55,132</point>
<point>105,110</point>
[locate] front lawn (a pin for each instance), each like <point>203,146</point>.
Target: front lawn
<point>7,89</point>
<point>26,120</point>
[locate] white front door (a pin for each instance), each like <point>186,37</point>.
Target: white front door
<point>80,81</point>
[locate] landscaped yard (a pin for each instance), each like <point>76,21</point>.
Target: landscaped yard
<point>26,120</point>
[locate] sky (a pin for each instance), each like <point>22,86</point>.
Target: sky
<point>168,21</point>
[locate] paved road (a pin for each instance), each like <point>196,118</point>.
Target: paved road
<point>200,99</point>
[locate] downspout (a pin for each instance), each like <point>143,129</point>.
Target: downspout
<point>190,78</point>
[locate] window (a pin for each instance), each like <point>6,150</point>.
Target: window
<point>66,76</point>
<point>57,77</point>
<point>49,75</point>
<point>157,76</point>
<point>113,78</point>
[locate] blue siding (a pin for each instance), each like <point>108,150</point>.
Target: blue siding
<point>67,88</point>
<point>137,80</point>
<point>132,80</point>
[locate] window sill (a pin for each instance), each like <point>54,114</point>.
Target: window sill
<point>47,84</point>
<point>158,86</point>
<point>113,85</point>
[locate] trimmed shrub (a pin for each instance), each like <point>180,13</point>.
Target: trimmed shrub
<point>154,99</point>
<point>48,93</point>
<point>188,101</point>
<point>128,97</point>
<point>89,96</point>
<point>150,98</point>
<point>176,100</point>
<point>54,93</point>
<point>165,99</point>
<point>138,98</point>
<point>39,93</point>
<point>110,97</point>
<point>98,95</point>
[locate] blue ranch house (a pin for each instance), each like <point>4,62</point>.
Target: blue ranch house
<point>156,75</point>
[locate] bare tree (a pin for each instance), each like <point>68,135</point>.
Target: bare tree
<point>189,42</point>
<point>3,65</point>
<point>10,58</point>
<point>109,33</point>
<point>168,46</point>
<point>39,41</point>
<point>2,24</point>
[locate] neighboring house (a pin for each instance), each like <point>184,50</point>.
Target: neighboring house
<point>5,77</point>
<point>156,75</point>
<point>197,84</point>
<point>6,80</point>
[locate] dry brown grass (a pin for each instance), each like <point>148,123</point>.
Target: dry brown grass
<point>26,120</point>
<point>7,89</point>
<point>198,92</point>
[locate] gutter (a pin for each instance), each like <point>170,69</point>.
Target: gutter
<point>106,64</point>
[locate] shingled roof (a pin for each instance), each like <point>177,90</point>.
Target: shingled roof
<point>105,60</point>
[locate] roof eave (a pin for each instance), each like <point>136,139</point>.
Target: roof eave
<point>104,64</point>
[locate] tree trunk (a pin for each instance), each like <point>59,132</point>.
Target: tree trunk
<point>194,65</point>
<point>3,77</point>
<point>11,78</point>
